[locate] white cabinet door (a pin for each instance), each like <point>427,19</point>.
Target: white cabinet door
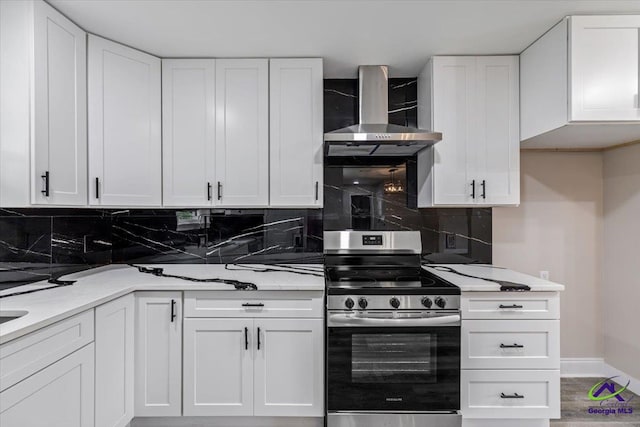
<point>474,102</point>
<point>158,358</point>
<point>455,115</point>
<point>242,132</point>
<point>61,394</point>
<point>218,367</point>
<point>296,132</point>
<point>497,136</point>
<point>59,174</point>
<point>125,166</point>
<point>604,58</point>
<point>114,362</point>
<point>289,379</point>
<point>188,131</point>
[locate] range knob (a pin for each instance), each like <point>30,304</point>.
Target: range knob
<point>440,302</point>
<point>362,302</point>
<point>395,302</point>
<point>349,303</point>
<point>426,301</point>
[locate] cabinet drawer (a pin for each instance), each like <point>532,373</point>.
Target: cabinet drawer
<point>27,355</point>
<point>510,394</point>
<point>498,305</point>
<point>308,304</point>
<point>518,344</point>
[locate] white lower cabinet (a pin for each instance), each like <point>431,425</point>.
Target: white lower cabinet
<point>61,394</point>
<point>158,354</point>
<point>510,394</point>
<point>510,357</point>
<point>114,362</point>
<point>288,374</point>
<point>218,367</point>
<point>253,364</point>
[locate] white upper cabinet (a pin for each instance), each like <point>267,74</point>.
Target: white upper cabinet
<point>473,101</point>
<point>580,84</point>
<point>60,110</point>
<point>296,132</point>
<point>125,166</point>
<point>43,113</point>
<point>604,58</point>
<point>188,130</point>
<point>496,142</point>
<point>242,133</point>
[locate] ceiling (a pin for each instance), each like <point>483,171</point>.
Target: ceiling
<point>346,33</point>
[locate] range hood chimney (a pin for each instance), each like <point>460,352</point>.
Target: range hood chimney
<point>374,136</point>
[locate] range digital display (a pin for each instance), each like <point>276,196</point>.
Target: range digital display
<point>373,240</point>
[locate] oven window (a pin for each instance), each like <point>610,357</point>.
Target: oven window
<point>393,358</point>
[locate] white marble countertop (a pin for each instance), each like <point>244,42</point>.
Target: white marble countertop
<point>468,284</point>
<point>100,285</point>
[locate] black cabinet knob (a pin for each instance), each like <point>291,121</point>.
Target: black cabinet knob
<point>395,302</point>
<point>349,303</point>
<point>426,301</point>
<point>362,302</point>
<point>440,302</point>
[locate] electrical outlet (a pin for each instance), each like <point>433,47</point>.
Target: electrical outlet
<point>450,241</point>
<point>544,274</point>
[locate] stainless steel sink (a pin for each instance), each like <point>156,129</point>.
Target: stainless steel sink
<point>9,315</point>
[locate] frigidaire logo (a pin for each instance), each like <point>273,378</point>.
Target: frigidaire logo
<point>393,399</point>
<point>610,397</point>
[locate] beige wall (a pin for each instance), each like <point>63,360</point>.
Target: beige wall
<point>621,267</point>
<point>558,228</point>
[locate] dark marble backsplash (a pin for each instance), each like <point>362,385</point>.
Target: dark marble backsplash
<point>36,243</point>
<point>40,242</point>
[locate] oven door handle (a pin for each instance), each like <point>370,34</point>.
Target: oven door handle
<point>351,320</point>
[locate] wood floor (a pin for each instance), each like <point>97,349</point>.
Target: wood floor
<point>575,407</point>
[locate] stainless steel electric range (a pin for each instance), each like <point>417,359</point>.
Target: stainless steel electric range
<point>393,334</point>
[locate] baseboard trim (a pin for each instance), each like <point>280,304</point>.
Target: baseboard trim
<point>582,367</point>
<point>596,367</point>
<point>634,383</point>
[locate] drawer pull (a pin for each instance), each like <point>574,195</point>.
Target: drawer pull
<point>511,396</point>
<point>248,304</point>
<point>511,346</point>
<point>511,306</point>
<point>246,338</point>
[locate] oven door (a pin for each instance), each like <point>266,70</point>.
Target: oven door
<point>396,365</point>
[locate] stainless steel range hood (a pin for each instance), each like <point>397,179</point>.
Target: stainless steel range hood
<point>374,136</point>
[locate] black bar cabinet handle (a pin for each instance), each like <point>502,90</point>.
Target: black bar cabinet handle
<point>510,306</point>
<point>484,189</point>
<point>511,346</point>
<point>208,191</point>
<point>511,396</point>
<point>473,189</point>
<point>46,183</point>
<point>246,338</point>
<point>219,190</point>
<point>248,304</point>
<point>173,310</point>
<point>258,338</point>
<point>97,187</point>
<point>316,190</point>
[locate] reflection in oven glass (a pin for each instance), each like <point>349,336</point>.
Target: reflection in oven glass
<point>393,358</point>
